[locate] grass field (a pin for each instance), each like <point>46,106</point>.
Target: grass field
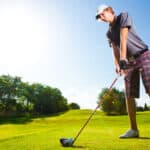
<point>101,133</point>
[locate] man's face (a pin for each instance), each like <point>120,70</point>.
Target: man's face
<point>106,16</point>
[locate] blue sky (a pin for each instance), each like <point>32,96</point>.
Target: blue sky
<point>60,44</point>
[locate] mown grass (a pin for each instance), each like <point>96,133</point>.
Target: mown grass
<point>101,133</point>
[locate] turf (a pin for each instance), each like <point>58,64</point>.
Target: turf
<point>43,133</point>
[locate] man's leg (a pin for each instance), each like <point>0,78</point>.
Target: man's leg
<point>131,109</point>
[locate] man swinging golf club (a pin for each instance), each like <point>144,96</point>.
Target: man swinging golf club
<point>131,58</point>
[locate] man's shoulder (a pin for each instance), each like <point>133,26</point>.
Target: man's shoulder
<point>123,14</point>
<point>124,19</point>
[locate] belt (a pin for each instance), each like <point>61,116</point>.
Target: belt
<point>139,53</point>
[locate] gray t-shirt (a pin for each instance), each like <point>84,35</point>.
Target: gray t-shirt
<point>134,42</point>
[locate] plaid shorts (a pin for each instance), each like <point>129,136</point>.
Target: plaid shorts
<point>138,66</point>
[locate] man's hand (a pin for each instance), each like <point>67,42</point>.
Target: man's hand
<point>118,71</point>
<point>123,64</point>
<point>122,67</point>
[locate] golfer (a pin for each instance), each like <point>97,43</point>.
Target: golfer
<point>131,59</point>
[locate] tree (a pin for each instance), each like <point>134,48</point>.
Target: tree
<point>74,106</point>
<point>9,89</point>
<point>146,107</point>
<point>28,92</point>
<point>112,103</point>
<point>139,108</point>
<point>49,100</point>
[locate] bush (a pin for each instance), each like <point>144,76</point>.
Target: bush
<point>74,106</point>
<point>139,108</point>
<point>113,103</point>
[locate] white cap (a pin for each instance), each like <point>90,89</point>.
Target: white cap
<point>101,8</point>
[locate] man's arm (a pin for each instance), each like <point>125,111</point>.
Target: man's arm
<point>116,54</point>
<point>123,43</point>
<point>116,57</point>
<point>123,63</point>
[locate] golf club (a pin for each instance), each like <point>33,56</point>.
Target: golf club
<point>68,142</point>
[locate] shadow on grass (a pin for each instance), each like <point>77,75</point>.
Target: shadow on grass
<point>144,138</point>
<point>77,146</point>
<point>15,120</point>
<point>138,138</point>
<point>23,119</point>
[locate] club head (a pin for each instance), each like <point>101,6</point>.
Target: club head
<point>66,142</point>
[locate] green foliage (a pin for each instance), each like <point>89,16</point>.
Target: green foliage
<point>113,102</point>
<point>146,107</point>
<point>141,108</point>
<point>21,97</point>
<point>9,92</point>
<point>49,100</point>
<point>74,106</point>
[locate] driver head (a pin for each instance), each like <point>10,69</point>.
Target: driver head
<point>66,142</point>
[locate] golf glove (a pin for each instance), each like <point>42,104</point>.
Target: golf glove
<point>123,64</point>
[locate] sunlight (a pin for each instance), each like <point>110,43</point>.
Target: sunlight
<point>23,35</point>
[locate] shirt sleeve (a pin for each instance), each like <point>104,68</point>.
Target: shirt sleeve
<point>125,20</point>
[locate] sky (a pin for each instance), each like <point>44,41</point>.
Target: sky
<point>60,44</point>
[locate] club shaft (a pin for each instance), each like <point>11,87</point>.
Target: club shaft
<point>99,104</point>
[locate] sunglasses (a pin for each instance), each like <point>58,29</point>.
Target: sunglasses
<point>98,17</point>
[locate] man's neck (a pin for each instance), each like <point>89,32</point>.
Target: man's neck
<point>112,23</point>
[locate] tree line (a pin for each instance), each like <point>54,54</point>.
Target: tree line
<point>18,97</point>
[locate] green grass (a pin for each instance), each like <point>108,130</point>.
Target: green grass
<point>101,133</point>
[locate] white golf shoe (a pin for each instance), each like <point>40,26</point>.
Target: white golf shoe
<point>130,134</point>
